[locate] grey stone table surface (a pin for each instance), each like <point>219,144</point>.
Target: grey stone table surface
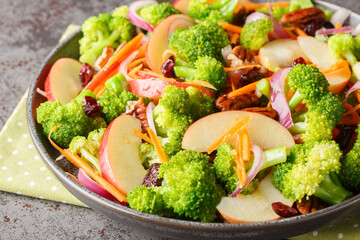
<point>28,32</point>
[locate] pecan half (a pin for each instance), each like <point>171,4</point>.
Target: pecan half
<point>266,111</point>
<point>310,205</point>
<point>103,58</point>
<point>138,110</point>
<point>225,103</point>
<point>301,16</point>
<point>241,55</point>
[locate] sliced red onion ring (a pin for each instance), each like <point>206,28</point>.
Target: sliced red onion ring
<point>330,31</point>
<point>278,99</point>
<point>340,16</point>
<point>135,18</point>
<point>149,115</point>
<point>90,184</point>
<point>278,29</point>
<point>258,161</point>
<point>355,87</point>
<point>123,68</point>
<point>225,52</point>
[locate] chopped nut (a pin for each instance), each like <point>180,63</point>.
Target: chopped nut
<point>241,56</point>
<point>301,16</point>
<point>266,111</point>
<point>309,205</point>
<point>224,103</point>
<point>103,58</point>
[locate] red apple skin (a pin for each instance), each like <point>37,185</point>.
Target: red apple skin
<point>155,88</point>
<point>181,5</point>
<point>48,91</point>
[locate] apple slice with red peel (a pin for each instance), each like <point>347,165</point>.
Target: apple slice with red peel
<point>154,88</point>
<point>263,131</point>
<point>181,5</point>
<point>119,154</point>
<point>63,82</point>
<point>158,41</point>
<point>255,207</point>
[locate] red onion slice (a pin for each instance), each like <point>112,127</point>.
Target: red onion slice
<point>258,161</point>
<point>149,115</point>
<point>136,19</point>
<point>355,87</point>
<point>279,31</point>
<point>90,184</point>
<point>278,99</point>
<point>225,52</point>
<point>123,68</point>
<point>340,16</point>
<point>255,16</point>
<point>330,31</point>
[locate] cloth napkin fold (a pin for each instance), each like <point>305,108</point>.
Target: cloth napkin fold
<point>22,171</point>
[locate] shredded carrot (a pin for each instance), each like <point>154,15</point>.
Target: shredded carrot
<point>73,178</point>
<point>291,34</point>
<point>354,109</point>
<point>240,166</point>
<point>300,32</point>
<point>158,148</point>
<point>299,106</point>
<point>338,25</point>
<point>238,124</point>
<point>133,71</point>
<point>142,136</point>
<point>234,38</point>
<point>289,95</point>
<point>269,104</point>
<point>230,27</point>
<point>354,114</point>
<point>136,63</point>
<point>246,89</point>
<point>251,6</point>
<point>246,147</point>
<point>142,51</point>
<point>99,90</point>
<point>242,67</point>
<point>234,81</point>
<point>200,84</point>
<point>80,163</point>
<point>357,94</point>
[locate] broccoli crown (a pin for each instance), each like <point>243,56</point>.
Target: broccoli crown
<point>102,31</point>
<point>155,13</point>
<point>204,39</point>
<point>309,82</point>
<point>222,10</point>
<point>255,34</point>
<point>177,109</point>
<point>120,11</point>
<point>305,168</point>
<point>112,104</point>
<point>70,120</point>
<point>350,168</point>
<point>296,4</point>
<point>343,46</point>
<point>189,186</point>
<point>146,199</point>
<point>148,155</point>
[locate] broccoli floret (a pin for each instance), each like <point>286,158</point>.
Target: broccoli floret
<point>88,148</point>
<point>70,120</point>
<point>102,31</point>
<point>146,199</point>
<point>148,155</point>
<point>120,11</point>
<point>155,13</point>
<point>297,4</point>
<point>205,39</point>
<point>255,34</point>
<point>189,186</point>
<point>206,69</point>
<point>177,109</point>
<point>201,10</point>
<point>310,170</point>
<point>350,170</point>
<point>225,167</point>
<point>343,46</point>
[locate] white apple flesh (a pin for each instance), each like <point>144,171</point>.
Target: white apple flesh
<point>263,131</point>
<point>63,82</point>
<point>119,154</point>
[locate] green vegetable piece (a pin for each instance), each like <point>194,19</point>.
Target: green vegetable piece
<point>255,34</point>
<point>264,87</point>
<point>155,13</point>
<point>118,83</point>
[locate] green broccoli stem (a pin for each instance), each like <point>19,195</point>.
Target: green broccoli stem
<point>227,8</point>
<point>90,158</point>
<point>180,62</point>
<point>331,191</point>
<point>185,72</point>
<point>295,100</point>
<point>298,128</point>
<point>118,83</point>
<point>350,57</point>
<point>84,93</point>
<point>264,87</point>
<point>300,116</point>
<point>273,157</point>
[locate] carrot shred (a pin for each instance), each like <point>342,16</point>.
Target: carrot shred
<point>240,166</point>
<point>354,114</point>
<point>289,95</point>
<point>238,124</point>
<point>200,83</point>
<point>251,6</point>
<point>142,51</point>
<point>100,90</point>
<point>233,78</point>
<point>234,38</point>
<point>133,71</point>
<point>300,32</point>
<point>158,148</point>
<point>291,34</point>
<point>246,89</point>
<point>230,27</point>
<point>80,163</point>
<point>338,25</point>
<point>74,178</point>
<point>357,94</point>
<point>246,146</point>
<point>242,67</point>
<point>136,63</point>
<point>142,136</point>
<point>354,109</point>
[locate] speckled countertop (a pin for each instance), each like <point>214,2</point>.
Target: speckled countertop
<point>28,32</point>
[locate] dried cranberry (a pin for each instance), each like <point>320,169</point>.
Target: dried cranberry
<point>297,61</point>
<point>345,135</point>
<point>251,76</point>
<point>151,178</point>
<point>125,204</point>
<point>315,25</point>
<point>283,210</point>
<point>167,68</point>
<point>91,106</point>
<point>86,73</point>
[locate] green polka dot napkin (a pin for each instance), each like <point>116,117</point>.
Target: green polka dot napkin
<point>22,171</point>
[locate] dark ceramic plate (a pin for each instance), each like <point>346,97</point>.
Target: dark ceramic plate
<point>160,226</point>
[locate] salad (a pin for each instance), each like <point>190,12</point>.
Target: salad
<point>225,111</point>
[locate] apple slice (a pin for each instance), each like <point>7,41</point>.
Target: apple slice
<point>263,131</point>
<point>119,154</point>
<point>255,207</point>
<point>280,53</point>
<point>155,88</point>
<point>181,5</point>
<point>158,41</point>
<point>317,51</point>
<point>63,82</point>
